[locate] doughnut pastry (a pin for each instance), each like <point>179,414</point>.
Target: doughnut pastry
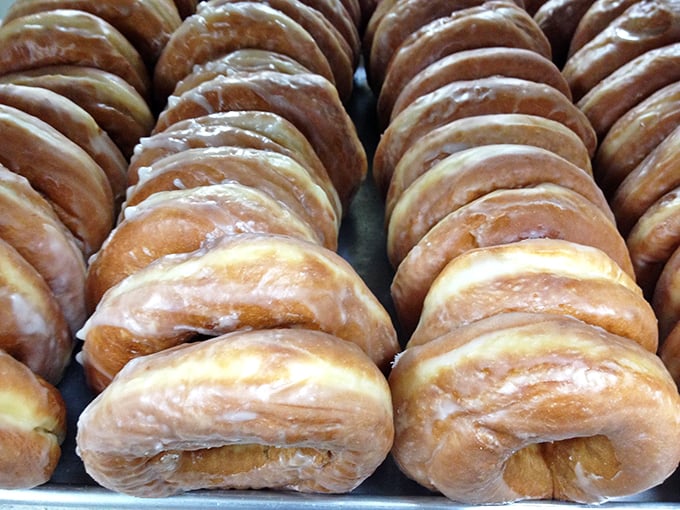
<point>247,281</point>
<point>635,135</point>
<point>630,84</point>
<point>186,7</point>
<point>654,238</point>
<point>29,224</point>
<point>330,42</point>
<point>246,129</point>
<point>666,303</point>
<point>335,12</point>
<point>180,221</point>
<point>308,101</point>
<point>146,24</point>
<point>32,426</point>
<point>643,26</point>
<point>469,65</point>
<point>70,37</point>
<point>656,175</point>
<point>539,276</point>
<point>113,103</point>
<point>669,352</point>
<point>599,15</point>
<point>558,19</point>
<point>275,174</point>
<point>73,122</point>
<point>212,32</point>
<point>287,409</point>
<point>33,329</point>
<point>463,99</point>
<point>353,7</point>
<point>534,406</point>
<point>461,134</point>
<point>469,174</point>
<point>501,217</point>
<point>60,170</point>
<point>491,24</point>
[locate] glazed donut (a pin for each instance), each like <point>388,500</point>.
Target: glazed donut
<point>33,329</point>
<point>644,26</point>
<point>216,31</point>
<point>633,82</point>
<point>73,122</point>
<point>534,406</point>
<point>469,65</point>
<point>277,175</point>
<point>599,15</point>
<point>635,135</point>
<point>33,426</point>
<point>113,103</point>
<point>288,409</point>
<point>558,19</point>
<point>461,134</point>
<point>251,130</point>
<point>70,37</point>
<point>500,217</point>
<point>247,281</point>
<point>329,41</point>
<point>180,221</point>
<point>469,174</point>
<point>29,224</point>
<point>146,24</point>
<point>656,175</point>
<point>353,7</point>
<point>491,24</point>
<point>537,276</point>
<point>669,352</point>
<point>335,12</point>
<point>654,238</point>
<point>64,173</point>
<point>308,101</point>
<point>462,99</point>
<point>666,299</point>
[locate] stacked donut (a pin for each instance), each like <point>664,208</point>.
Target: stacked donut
<point>622,65</point>
<point>74,83</point>
<point>530,372</point>
<point>229,230</point>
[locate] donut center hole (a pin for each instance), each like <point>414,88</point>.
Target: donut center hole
<point>553,469</point>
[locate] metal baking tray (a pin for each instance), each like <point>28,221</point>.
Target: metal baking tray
<point>362,243</point>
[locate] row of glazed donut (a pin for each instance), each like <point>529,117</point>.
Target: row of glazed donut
<point>622,64</point>
<point>530,338</point>
<point>68,81</point>
<point>229,230</point>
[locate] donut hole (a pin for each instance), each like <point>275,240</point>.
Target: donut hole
<point>556,470</point>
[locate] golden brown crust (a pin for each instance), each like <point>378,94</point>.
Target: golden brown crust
<point>72,182</point>
<point>654,238</point>
<point>494,23</point>
<point>537,276</point>
<point>635,136</point>
<point>212,32</point>
<point>114,104</point>
<point>181,221</point>
<point>70,37</point>
<point>666,298</point>
<point>283,409</point>
<point>308,101</point>
<point>656,175</point>
<point>30,225</point>
<point>73,122</point>
<point>249,281</point>
<point>644,26</point>
<point>469,174</point>
<point>147,24</point>
<point>462,99</point>
<point>670,354</point>
<point>469,65</point>
<point>481,130</point>
<point>630,84</point>
<point>596,19</point>
<point>535,406</point>
<point>33,426</point>
<point>335,12</point>
<point>500,217</point>
<point>32,326</point>
<point>277,175</point>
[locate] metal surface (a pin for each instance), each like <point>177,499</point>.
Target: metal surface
<point>362,243</point>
